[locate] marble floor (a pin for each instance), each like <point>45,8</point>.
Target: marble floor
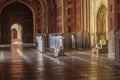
<point>26,63</point>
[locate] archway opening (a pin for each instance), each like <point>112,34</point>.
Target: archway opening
<point>16,33</point>
<point>102,27</point>
<point>17,12</point>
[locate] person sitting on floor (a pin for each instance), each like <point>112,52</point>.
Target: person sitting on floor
<point>61,52</point>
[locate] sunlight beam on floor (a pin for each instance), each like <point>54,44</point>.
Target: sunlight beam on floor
<point>26,58</point>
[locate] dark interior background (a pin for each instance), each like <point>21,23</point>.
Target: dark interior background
<point>16,13</point>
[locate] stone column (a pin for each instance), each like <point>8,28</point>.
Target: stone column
<point>111,25</point>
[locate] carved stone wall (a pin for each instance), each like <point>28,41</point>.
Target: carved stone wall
<point>117,45</point>
<point>101,23</point>
<point>111,44</point>
<point>77,21</point>
<point>95,6</point>
<point>114,29</point>
<point>59,16</point>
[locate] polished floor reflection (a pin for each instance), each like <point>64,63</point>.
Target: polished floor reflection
<point>25,63</point>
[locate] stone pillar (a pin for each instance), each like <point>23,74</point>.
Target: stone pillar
<point>70,21</point>
<point>111,34</point>
<point>117,30</point>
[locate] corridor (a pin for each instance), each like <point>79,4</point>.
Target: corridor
<point>25,63</point>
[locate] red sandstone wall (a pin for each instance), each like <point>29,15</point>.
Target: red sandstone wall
<point>58,16</point>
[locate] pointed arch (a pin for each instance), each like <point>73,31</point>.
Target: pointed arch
<point>101,23</point>
<point>16,30</point>
<point>9,16</point>
<point>43,13</point>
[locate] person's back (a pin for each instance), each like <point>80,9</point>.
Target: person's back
<point>61,52</point>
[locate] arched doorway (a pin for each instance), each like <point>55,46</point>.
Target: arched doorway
<point>17,12</point>
<point>101,32</point>
<point>16,33</point>
<point>13,35</point>
<point>101,23</point>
